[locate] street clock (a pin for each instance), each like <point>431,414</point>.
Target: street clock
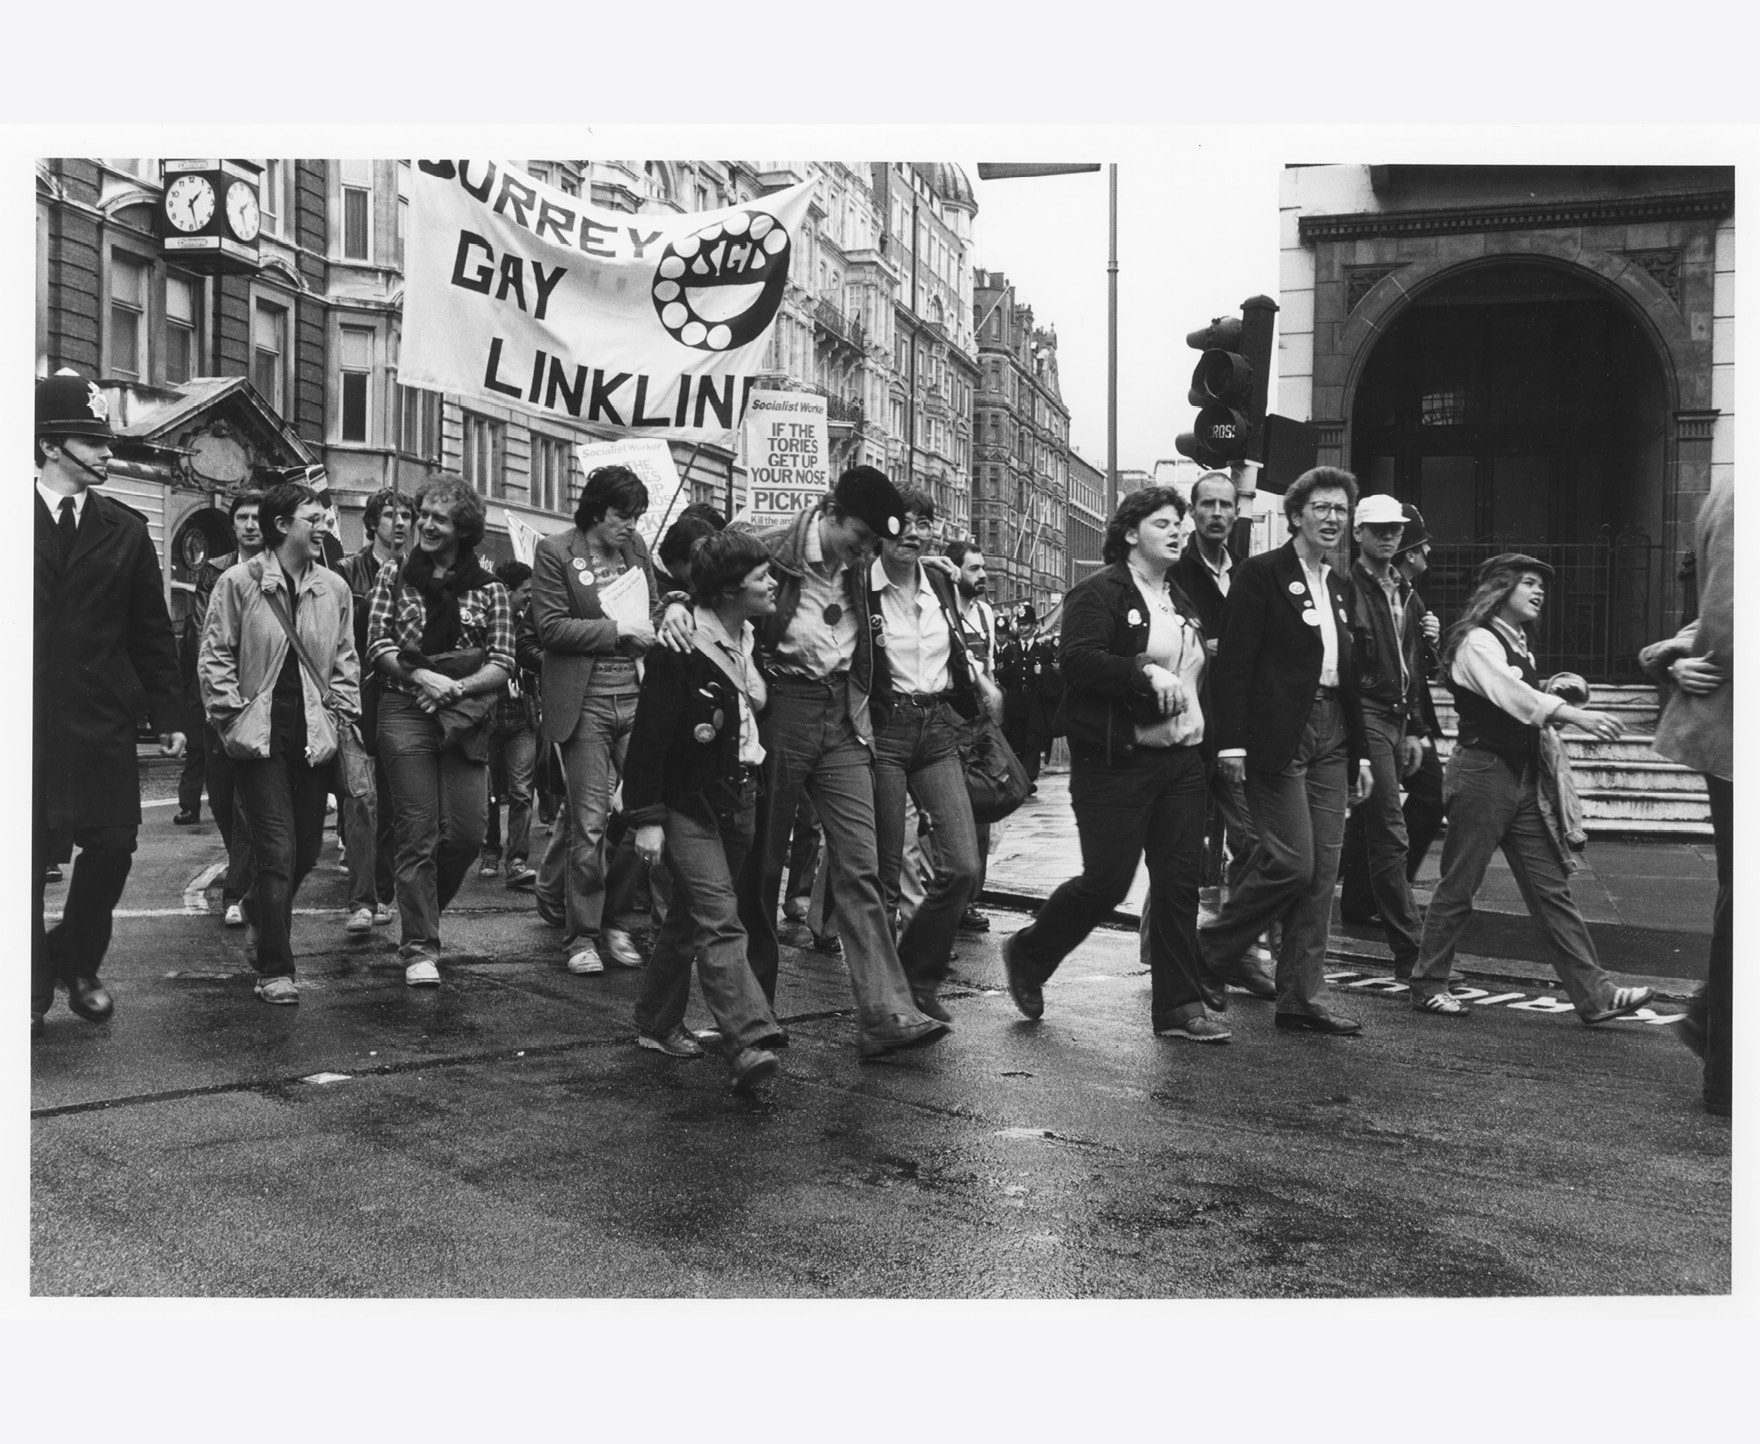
<point>210,215</point>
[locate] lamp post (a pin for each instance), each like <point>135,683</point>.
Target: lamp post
<point>1009,170</point>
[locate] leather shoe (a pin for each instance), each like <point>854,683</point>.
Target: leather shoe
<point>187,819</point>
<point>916,1036</point>
<point>1028,996</point>
<point>929,1005</point>
<point>88,998</point>
<point>973,921</point>
<point>1318,1023</point>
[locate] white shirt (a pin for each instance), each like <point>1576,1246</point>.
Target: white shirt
<point>813,647</point>
<point>739,658</point>
<point>918,642</point>
<point>1221,575</point>
<point>1322,600</point>
<point>978,620</point>
<point>1174,644</point>
<point>1480,664</point>
<point>53,499</point>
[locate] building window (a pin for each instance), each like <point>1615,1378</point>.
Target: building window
<point>552,466</point>
<point>272,199</point>
<point>269,353</point>
<point>485,454</point>
<point>570,186</point>
<point>357,377</point>
<point>182,328</point>
<point>418,422</point>
<point>357,210</point>
<point>128,319</point>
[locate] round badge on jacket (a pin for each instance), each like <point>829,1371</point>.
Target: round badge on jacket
<point>1311,618</point>
<point>1296,589</point>
<point>580,564</point>
<point>703,732</point>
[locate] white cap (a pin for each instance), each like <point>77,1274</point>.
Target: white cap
<point>1379,510</point>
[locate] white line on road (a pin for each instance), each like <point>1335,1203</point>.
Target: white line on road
<point>193,901</point>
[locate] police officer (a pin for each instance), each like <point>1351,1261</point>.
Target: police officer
<point>104,654</point>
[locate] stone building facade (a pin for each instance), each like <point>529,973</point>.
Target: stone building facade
<point>1538,357</point>
<point>1021,494</point>
<point>1084,533</point>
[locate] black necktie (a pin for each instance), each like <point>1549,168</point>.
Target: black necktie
<point>68,527</point>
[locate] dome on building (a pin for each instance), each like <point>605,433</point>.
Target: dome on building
<point>949,182</point>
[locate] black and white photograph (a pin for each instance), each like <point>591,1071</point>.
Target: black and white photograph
<point>1130,722</point>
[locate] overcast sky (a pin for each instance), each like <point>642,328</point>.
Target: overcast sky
<point>1197,235</point>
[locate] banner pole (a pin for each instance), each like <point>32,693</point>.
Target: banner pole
<point>684,481</point>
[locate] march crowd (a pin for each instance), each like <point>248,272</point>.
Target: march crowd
<point>699,717</point>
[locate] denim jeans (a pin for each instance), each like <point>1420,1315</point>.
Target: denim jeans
<point>75,946</point>
<point>811,746</point>
<point>918,752</point>
<point>1384,838</point>
<point>593,757</point>
<point>1299,814</point>
<point>1228,803</point>
<point>513,753</point>
<point>1151,802</point>
<point>284,802</point>
<point>223,803</point>
<point>439,804</point>
<point>371,838</point>
<point>707,847</point>
<point>1490,807</point>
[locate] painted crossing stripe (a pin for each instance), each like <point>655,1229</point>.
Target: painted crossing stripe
<point>1482,998</point>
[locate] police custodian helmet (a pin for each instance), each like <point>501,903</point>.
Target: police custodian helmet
<point>70,405</point>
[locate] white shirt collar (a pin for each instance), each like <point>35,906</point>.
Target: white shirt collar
<point>710,621</point>
<point>53,499</point>
<point>878,581</point>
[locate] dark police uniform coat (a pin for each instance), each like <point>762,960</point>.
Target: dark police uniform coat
<point>104,655</point>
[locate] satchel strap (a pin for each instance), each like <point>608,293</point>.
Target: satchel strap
<point>299,650</point>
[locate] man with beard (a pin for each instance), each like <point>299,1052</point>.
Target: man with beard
<point>103,653</point>
<point>977,625</point>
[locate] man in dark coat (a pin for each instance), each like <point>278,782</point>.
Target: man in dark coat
<point>104,653</point>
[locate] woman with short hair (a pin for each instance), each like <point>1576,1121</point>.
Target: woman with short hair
<point>691,788</point>
<point>278,714</point>
<point>1500,791</point>
<point>590,689</point>
<point>1133,665</point>
<point>440,631</point>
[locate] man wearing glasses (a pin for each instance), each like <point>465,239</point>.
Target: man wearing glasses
<point>1288,722</point>
<point>826,666</point>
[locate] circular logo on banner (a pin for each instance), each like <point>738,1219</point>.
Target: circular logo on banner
<point>719,287</point>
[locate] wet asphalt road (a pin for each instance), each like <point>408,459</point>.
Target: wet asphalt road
<point>501,1136</point>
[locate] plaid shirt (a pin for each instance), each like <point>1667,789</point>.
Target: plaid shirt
<point>485,620</point>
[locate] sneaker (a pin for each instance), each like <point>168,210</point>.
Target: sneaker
<point>1625,1001</point>
<point>278,989</point>
<point>752,1067</point>
<point>1201,1029</point>
<point>490,865</point>
<point>678,1043</point>
<point>359,921</point>
<point>234,915</point>
<point>422,973</point>
<point>384,913</point>
<point>621,948</point>
<point>587,960</point>
<point>1441,1005</point>
<point>520,875</point>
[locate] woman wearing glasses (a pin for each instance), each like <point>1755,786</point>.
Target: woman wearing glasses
<point>1133,668</point>
<point>1289,723</point>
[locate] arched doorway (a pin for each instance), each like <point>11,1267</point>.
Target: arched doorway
<point>1521,406</point>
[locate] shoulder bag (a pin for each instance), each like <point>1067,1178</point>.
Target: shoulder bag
<point>995,780</point>
<point>352,767</point>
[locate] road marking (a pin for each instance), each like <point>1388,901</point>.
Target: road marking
<point>326,1078</point>
<point>193,901</point>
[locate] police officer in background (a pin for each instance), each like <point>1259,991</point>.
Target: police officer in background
<point>103,654</point>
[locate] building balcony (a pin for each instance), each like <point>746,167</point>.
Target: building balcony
<point>829,319</point>
<point>849,414</point>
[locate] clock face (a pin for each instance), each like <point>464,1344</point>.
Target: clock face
<point>242,212</point>
<point>189,202</point>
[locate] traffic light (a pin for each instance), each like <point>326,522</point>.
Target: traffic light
<point>1231,385</point>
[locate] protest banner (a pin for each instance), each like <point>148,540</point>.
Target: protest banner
<point>788,455</point>
<point>652,461</point>
<point>517,292</point>
<point>523,538</point>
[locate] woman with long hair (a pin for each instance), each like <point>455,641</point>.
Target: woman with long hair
<point>1133,668</point>
<point>277,713</point>
<point>440,630</point>
<point>1497,795</point>
<point>691,788</point>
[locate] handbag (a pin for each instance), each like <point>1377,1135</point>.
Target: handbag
<point>995,780</point>
<point>351,769</point>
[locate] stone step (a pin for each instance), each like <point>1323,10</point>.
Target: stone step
<point>1619,776</point>
<point>1655,829</point>
<point>1642,805</point>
